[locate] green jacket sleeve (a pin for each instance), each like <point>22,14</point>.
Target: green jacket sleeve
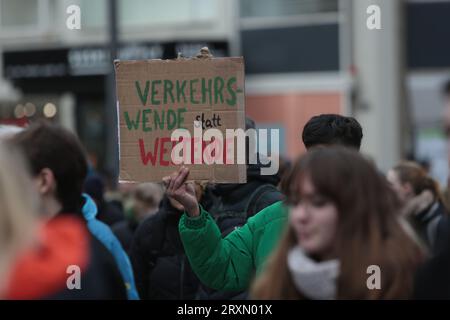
<point>222,264</point>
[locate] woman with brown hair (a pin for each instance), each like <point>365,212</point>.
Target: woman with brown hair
<point>343,220</point>
<point>422,203</point>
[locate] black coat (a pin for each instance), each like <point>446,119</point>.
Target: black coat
<point>430,226</point>
<point>101,280</point>
<point>433,278</point>
<point>109,213</point>
<point>161,269</point>
<point>124,231</point>
<point>232,204</point>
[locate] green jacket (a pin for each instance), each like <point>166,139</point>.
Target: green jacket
<point>230,263</point>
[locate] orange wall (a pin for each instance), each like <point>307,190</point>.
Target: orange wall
<point>293,111</point>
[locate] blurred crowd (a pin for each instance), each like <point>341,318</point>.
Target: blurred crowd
<point>312,231</point>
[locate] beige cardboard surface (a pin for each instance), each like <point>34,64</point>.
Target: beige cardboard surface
<point>156,97</point>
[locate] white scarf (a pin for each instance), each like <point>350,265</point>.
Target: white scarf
<point>315,280</point>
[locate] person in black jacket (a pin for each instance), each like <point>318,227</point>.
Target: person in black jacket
<point>239,201</point>
<point>161,269</point>
<point>433,279</point>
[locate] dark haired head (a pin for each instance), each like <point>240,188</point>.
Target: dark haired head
<point>53,147</point>
<point>332,129</point>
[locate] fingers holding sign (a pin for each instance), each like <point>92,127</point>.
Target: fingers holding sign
<point>183,192</point>
<point>181,178</point>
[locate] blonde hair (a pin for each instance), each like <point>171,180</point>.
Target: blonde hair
<point>18,208</point>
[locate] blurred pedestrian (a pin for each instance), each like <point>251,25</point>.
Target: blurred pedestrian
<point>336,233</point>
<point>145,203</point>
<point>433,279</point>
<point>58,167</point>
<point>107,212</point>
<point>237,256</point>
<point>160,265</point>
<point>39,271</point>
<point>422,203</point>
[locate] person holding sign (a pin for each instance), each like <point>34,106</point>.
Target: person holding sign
<point>230,263</point>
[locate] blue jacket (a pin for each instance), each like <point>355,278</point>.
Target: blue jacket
<point>104,234</point>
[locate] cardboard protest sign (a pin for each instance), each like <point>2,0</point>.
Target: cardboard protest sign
<point>156,97</point>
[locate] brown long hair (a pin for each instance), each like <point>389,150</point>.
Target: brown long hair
<point>369,232</point>
<point>412,173</point>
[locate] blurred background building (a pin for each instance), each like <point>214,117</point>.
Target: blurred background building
<point>303,57</point>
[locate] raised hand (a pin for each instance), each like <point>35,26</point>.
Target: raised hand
<point>182,191</point>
